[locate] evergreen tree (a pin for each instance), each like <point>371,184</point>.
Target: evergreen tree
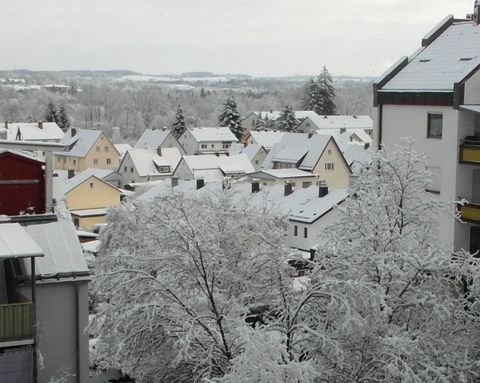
<point>51,112</point>
<point>319,94</point>
<point>62,118</point>
<point>326,93</point>
<point>287,120</point>
<point>311,96</point>
<point>230,117</point>
<point>179,126</point>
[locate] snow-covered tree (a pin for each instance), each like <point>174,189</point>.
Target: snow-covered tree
<point>62,118</point>
<point>319,94</point>
<point>177,278</point>
<point>230,117</point>
<point>51,112</point>
<point>287,121</point>
<point>386,302</point>
<point>326,93</point>
<point>179,127</point>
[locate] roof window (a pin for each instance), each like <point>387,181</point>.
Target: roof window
<point>466,58</point>
<point>425,60</point>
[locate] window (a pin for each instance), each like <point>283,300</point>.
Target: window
<point>98,148</point>
<point>106,148</point>
<point>131,171</point>
<point>329,166</point>
<point>74,162</point>
<point>305,232</point>
<point>256,162</point>
<point>306,184</point>
<point>95,161</point>
<point>307,124</point>
<point>212,145</point>
<point>92,186</point>
<point>434,125</point>
<point>295,230</point>
<point>203,146</point>
<point>329,151</point>
<point>433,185</point>
<point>109,161</point>
<point>124,168</point>
<point>226,146</point>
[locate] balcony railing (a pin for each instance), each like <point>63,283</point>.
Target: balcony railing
<point>470,212</point>
<point>470,153</point>
<point>16,321</point>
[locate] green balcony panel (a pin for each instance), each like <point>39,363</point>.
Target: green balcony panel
<point>16,321</point>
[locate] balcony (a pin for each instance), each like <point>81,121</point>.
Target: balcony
<point>470,212</point>
<point>470,150</point>
<point>16,322</point>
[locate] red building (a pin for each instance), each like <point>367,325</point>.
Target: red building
<point>22,184</point>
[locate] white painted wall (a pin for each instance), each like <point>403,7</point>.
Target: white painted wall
<point>472,90</point>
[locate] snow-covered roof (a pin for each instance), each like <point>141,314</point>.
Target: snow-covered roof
<point>147,161</point>
<point>338,122</point>
<point>82,142</point>
<point>445,61</point>
<point>276,114</point>
<point>235,148</point>
<point>251,151</point>
<point>30,131</point>
<point>303,205</point>
<point>296,147</point>
<point>24,154</point>
<point>70,184</point>
<point>59,242</point>
<point>15,242</point>
<point>122,148</point>
<point>347,134</point>
<point>267,139</point>
<point>152,138</point>
<point>89,212</point>
<point>281,173</point>
<point>212,134</point>
<point>238,163</point>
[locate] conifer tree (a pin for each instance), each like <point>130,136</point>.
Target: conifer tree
<point>230,117</point>
<point>287,121</point>
<point>62,118</point>
<point>311,96</point>
<point>326,93</point>
<point>51,112</point>
<point>179,126</point>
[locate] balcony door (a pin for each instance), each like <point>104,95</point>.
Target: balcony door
<point>476,187</point>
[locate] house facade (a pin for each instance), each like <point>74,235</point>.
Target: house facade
<point>433,96</point>
<point>158,138</point>
<point>215,141</point>
<point>86,149</point>
<point>316,123</point>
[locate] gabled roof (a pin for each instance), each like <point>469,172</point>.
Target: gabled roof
<point>338,122</point>
<point>296,147</point>
<point>212,134</point>
<point>147,161</point>
<point>122,148</point>
<point>80,178</point>
<point>267,139</point>
<point>152,138</point>
<point>252,150</point>
<point>446,60</point>
<point>82,142</point>
<point>30,131</point>
<point>27,155</point>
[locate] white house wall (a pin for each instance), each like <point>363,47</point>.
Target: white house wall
<point>472,90</point>
<point>411,121</point>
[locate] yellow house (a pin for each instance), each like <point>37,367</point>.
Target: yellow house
<point>86,149</point>
<point>316,154</point>
<point>88,198</point>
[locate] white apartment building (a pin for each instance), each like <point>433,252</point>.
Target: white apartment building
<point>433,96</point>
<point>207,140</point>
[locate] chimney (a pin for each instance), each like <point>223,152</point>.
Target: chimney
<point>40,124</point>
<point>255,187</point>
<point>287,189</point>
<point>322,189</point>
<point>366,145</point>
<point>476,12</point>
<point>200,183</point>
<point>310,135</point>
<point>116,138</point>
<point>71,173</point>
<point>312,253</point>
<point>159,151</point>
<point>6,124</point>
<point>174,181</point>
<point>73,132</point>
<point>342,130</point>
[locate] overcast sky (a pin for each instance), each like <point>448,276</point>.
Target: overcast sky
<point>257,37</point>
